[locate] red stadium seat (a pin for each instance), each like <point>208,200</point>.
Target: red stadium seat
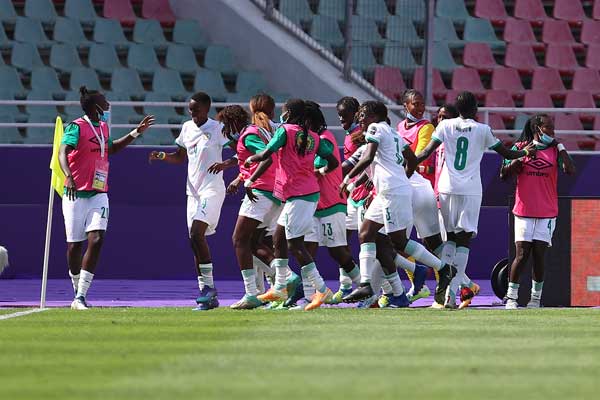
<point>439,89</point>
<point>521,57</point>
<point>451,96</point>
<point>549,80</point>
<point>508,79</point>
<point>577,99</point>
<point>557,32</point>
<point>389,80</point>
<point>537,98</point>
<point>479,55</point>
<point>120,10</point>
<point>570,11</point>
<point>590,32</point>
<point>562,57</point>
<point>597,123</point>
<point>159,10</point>
<point>493,10</point>
<point>570,122</point>
<point>567,122</point>
<point>519,31</point>
<point>467,79</point>
<point>500,98</point>
<point>495,121</point>
<point>596,10</point>
<point>592,59</point>
<point>587,80</point>
<point>530,10</point>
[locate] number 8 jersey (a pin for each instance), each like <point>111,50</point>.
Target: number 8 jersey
<point>465,141</point>
<point>387,169</point>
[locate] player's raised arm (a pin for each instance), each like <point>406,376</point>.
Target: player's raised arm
<point>126,140</point>
<point>509,154</point>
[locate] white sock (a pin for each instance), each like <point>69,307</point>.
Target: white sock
<point>377,277</point>
<point>74,281</point>
<point>249,277</point>
<point>309,289</point>
<point>386,286</point>
<point>345,280</point>
<point>259,278</point>
<point>281,272</point>
<point>367,258</point>
<point>460,262</point>
<point>536,290</point>
<point>438,251</point>
<point>315,278</point>
<point>85,280</point>
<point>513,291</point>
<point>420,253</point>
<point>396,283</point>
<point>206,276</point>
<point>448,253</point>
<point>404,263</point>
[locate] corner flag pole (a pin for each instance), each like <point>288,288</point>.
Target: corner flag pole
<point>47,245</point>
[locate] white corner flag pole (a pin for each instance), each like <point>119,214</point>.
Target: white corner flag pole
<point>47,245</point>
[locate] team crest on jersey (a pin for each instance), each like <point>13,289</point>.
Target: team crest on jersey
<point>310,142</point>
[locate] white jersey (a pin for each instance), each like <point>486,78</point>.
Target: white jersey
<point>387,169</point>
<point>465,141</point>
<point>204,146</point>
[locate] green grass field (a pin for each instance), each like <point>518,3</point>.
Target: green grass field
<point>327,354</point>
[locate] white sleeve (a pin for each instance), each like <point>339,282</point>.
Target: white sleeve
<point>439,133</point>
<point>490,140</point>
<point>356,156</point>
<point>179,141</point>
<point>373,133</point>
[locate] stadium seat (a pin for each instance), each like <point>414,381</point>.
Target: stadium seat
<point>464,78</point>
<point>64,57</point>
<point>442,58</point>
<point>492,10</point>
<point>402,31</point>
<point>479,56</point>
<point>41,113</point>
<point>44,78</point>
<point>570,11</point>
<point>495,121</point>
<point>549,80</point>
<point>169,81</point>
<point>149,31</point>
<point>40,135</point>
<point>389,81</point>
<point>181,58</point>
<point>333,8</point>
<point>561,57</point>
<point>412,10</point>
<point>537,99</point>
<point>296,10</point>
<point>596,10</point>
<point>159,10</point>
<point>500,98</point>
<point>577,99</point>
<point>30,31</point>
<point>453,9</point>
<point>418,82</point>
<point>587,80</point>
<point>187,31</point>
<point>520,32</point>
<point>10,135</point>
<point>507,79</point>
<point>122,114</point>
<point>521,57</point>
<point>25,56</point>
<point>557,32</point>
<point>103,58</point>
<point>81,10</point>
<point>41,10</point>
<point>73,112</point>
<point>10,81</point>
<point>219,58</point>
<point>375,9</point>
<point>567,122</point>
<point>530,10</point>
<point>67,30</point>
<point>121,10</point>
<point>210,82</point>
<point>109,31</point>
<point>250,82</point>
<point>142,58</point>
<point>365,30</point>
<point>362,57</point>
<point>82,76</point>
<point>10,113</point>
<point>326,30</point>
<point>444,32</point>
<point>400,57</point>
<point>520,121</point>
<point>590,32</point>
<point>577,141</point>
<point>127,80</point>
<point>7,12</point>
<point>592,59</point>
<point>163,115</point>
<point>5,42</point>
<point>480,30</point>
<point>450,96</point>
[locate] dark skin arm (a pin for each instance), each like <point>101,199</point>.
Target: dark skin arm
<point>502,150</point>
<point>568,165</point>
<point>366,160</point>
<point>126,140</point>
<point>411,161</point>
<point>218,167</point>
<point>177,157</point>
<point>512,169</point>
<point>63,152</point>
<point>262,167</point>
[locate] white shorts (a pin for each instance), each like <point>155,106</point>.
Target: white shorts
<point>263,210</point>
<point>425,211</point>
<point>392,210</point>
<point>530,229</point>
<point>329,231</point>
<point>84,215</point>
<point>460,212</point>
<point>297,218</point>
<point>351,217</point>
<point>205,208</point>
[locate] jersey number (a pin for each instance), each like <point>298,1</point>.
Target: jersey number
<point>104,212</point>
<point>460,160</point>
<point>399,158</point>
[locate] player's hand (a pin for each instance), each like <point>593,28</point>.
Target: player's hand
<point>71,188</point>
<point>531,149</point>
<point>234,186</point>
<point>146,123</point>
<point>216,168</point>
<point>251,196</point>
<point>343,190</point>
<point>568,166</point>
<point>368,201</point>
<point>250,160</point>
<point>155,156</point>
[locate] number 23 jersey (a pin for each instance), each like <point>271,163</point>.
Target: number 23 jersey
<point>465,141</point>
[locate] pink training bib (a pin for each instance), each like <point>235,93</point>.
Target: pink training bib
<point>88,167</point>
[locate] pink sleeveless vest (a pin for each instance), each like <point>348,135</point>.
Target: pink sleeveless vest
<point>330,182</point>
<point>359,193</point>
<point>267,180</point>
<point>411,135</point>
<point>82,160</point>
<point>295,175</point>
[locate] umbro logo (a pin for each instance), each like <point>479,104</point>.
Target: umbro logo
<point>539,163</point>
<point>94,140</point>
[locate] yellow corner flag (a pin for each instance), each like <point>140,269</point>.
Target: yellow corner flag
<point>58,177</point>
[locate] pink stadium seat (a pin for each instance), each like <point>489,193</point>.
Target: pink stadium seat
<point>508,79</point>
<point>538,98</point>
<point>596,10</point>
<point>519,31</point>
<point>439,89</point>
<point>597,123</point>
<point>389,80</point>
<point>498,98</point>
<point>493,10</point>
<point>479,55</point>
<point>557,32</point>
<point>590,32</point>
<point>451,96</point>
<point>521,57</point>
<point>549,80</point>
<point>159,10</point>
<point>562,57</point>
<point>464,78</point>
<point>120,10</point>
<point>570,11</point>
<point>587,80</point>
<point>567,122</point>
<point>577,99</point>
<point>494,120</point>
<point>592,59</point>
<point>530,10</point>
<point>570,122</point>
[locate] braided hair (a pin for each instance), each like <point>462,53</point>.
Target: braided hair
<point>409,94</point>
<point>262,107</point>
<point>234,118</point>
<point>296,110</point>
<point>533,123</point>
<point>315,120</point>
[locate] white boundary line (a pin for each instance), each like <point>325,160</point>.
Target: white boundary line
<point>22,313</point>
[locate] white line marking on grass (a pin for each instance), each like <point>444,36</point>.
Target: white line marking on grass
<point>21,313</point>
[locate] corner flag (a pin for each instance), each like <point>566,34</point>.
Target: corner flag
<point>58,177</point>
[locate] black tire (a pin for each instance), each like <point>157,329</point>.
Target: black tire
<point>499,278</point>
